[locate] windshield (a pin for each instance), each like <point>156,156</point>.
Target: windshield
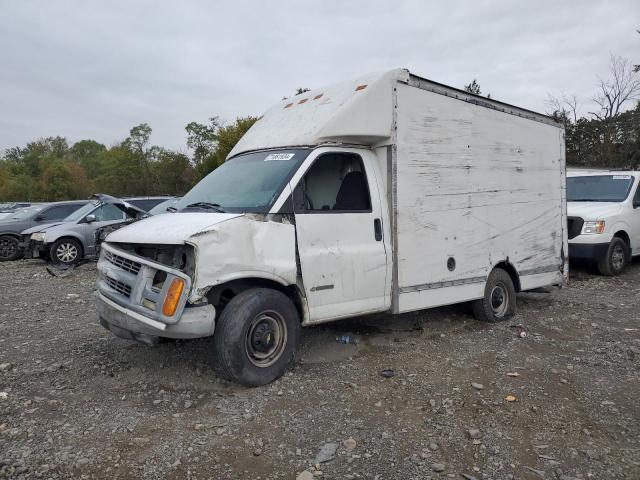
<point>599,188</point>
<point>26,212</point>
<point>81,212</point>
<point>247,183</point>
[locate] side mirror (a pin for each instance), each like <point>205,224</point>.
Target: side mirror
<point>90,218</point>
<point>636,203</point>
<point>39,218</point>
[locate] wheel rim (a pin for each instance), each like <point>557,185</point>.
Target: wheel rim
<point>66,252</point>
<point>8,247</point>
<point>617,257</point>
<point>266,338</point>
<point>499,300</point>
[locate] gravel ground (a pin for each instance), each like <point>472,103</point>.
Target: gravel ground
<point>76,402</point>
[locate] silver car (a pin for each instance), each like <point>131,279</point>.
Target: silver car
<point>35,217</point>
<point>74,240</point>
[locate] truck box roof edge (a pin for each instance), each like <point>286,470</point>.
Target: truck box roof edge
<point>356,112</point>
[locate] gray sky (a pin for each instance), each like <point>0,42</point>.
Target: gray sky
<point>93,69</point>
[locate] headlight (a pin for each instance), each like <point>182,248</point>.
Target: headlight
<point>593,227</point>
<point>38,236</point>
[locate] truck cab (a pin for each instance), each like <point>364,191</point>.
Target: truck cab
<point>603,214</point>
<point>303,227</point>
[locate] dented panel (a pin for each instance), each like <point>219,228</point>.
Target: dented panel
<point>250,245</point>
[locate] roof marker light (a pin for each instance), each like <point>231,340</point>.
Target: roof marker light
<point>319,96</point>
<point>303,100</point>
<point>360,87</point>
<point>288,105</point>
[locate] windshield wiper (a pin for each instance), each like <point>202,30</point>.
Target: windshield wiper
<point>207,205</point>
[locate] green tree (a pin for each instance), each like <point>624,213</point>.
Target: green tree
<point>173,172</point>
<point>63,180</point>
<point>201,138</point>
<point>226,137</point>
<point>138,137</point>
<point>88,154</point>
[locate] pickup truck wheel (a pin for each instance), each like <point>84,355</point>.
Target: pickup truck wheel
<point>499,301</point>
<point>66,251</point>
<point>614,261</point>
<point>256,337</point>
<point>9,248</point>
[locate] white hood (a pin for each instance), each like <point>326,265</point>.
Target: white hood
<point>593,210</point>
<point>169,229</point>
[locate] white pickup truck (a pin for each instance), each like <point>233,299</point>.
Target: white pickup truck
<point>389,193</point>
<point>603,208</point>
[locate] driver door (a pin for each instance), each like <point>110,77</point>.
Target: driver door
<point>340,238</point>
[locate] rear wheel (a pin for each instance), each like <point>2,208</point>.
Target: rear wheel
<point>9,248</point>
<point>499,301</point>
<point>615,259</point>
<point>66,251</point>
<point>256,336</point>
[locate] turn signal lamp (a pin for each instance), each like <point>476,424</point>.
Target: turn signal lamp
<point>172,299</point>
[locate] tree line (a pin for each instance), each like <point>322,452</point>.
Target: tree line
<point>51,169</point>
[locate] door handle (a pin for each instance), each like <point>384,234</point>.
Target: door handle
<point>377,229</point>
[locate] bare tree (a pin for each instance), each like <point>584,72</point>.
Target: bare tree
<point>564,106</point>
<point>636,68</point>
<point>623,86</point>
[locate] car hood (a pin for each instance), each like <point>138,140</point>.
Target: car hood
<point>129,209</point>
<point>40,228</point>
<point>169,229</point>
<point>593,210</point>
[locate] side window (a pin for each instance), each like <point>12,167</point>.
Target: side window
<point>108,212</point>
<point>58,212</point>
<point>336,182</point>
<point>636,199</point>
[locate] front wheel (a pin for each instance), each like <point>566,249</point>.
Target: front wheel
<point>256,337</point>
<point>66,251</point>
<point>9,248</point>
<point>499,301</point>
<point>614,261</point>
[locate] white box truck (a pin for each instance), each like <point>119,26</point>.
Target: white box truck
<point>390,193</point>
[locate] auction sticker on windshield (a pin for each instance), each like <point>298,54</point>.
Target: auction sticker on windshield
<point>622,177</point>
<point>273,157</point>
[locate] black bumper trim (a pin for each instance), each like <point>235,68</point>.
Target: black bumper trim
<point>588,251</point>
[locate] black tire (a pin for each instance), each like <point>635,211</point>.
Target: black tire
<point>499,301</point>
<point>66,251</point>
<point>615,259</point>
<point>256,337</point>
<point>9,249</point>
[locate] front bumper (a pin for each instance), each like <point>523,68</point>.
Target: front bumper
<point>195,322</point>
<point>131,292</point>
<point>33,249</point>
<point>588,251</point>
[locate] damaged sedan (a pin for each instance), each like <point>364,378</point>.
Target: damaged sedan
<point>73,239</point>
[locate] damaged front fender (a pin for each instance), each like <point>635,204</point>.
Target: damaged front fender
<point>249,246</point>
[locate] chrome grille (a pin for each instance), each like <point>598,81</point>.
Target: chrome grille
<point>119,287</point>
<point>123,263</point>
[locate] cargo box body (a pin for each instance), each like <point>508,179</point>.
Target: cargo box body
<point>473,183</point>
